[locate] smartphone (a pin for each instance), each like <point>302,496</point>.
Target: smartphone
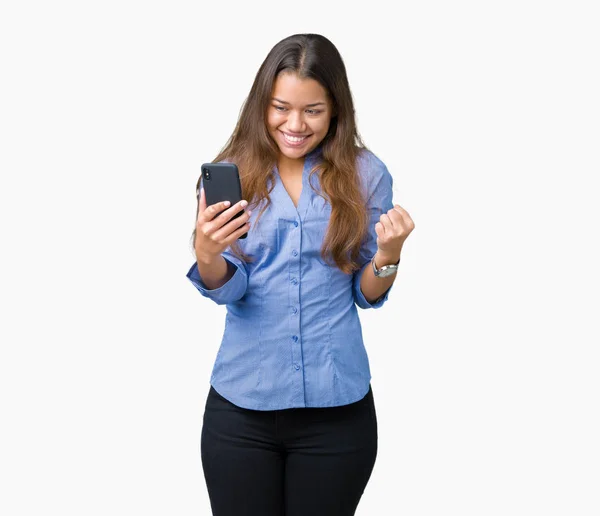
<point>221,182</point>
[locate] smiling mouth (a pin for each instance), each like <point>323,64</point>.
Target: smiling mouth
<point>294,139</point>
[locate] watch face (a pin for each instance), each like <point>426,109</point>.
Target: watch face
<point>387,272</point>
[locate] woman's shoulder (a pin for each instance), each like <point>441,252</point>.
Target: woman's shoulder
<point>370,167</point>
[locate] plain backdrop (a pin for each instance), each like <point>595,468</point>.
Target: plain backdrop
<point>485,359</point>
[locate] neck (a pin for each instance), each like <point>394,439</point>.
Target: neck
<point>289,165</point>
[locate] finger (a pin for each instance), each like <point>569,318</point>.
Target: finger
<point>237,233</point>
<point>379,229</point>
<point>202,201</point>
<point>232,226</point>
<point>402,219</point>
<point>201,207</point>
<point>395,216</point>
<point>227,215</point>
<point>405,215</point>
<point>210,212</point>
<point>387,223</point>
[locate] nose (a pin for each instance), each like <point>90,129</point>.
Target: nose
<point>295,122</point>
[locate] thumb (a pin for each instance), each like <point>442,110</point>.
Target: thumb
<point>202,201</point>
<point>379,230</point>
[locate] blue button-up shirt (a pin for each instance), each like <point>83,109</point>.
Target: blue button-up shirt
<point>292,333</point>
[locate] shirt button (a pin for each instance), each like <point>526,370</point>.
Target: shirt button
<point>295,253</point>
<point>296,367</point>
<point>294,310</point>
<point>296,223</point>
<point>294,281</point>
<point>295,338</point>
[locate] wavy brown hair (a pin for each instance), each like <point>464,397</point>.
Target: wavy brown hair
<point>255,153</point>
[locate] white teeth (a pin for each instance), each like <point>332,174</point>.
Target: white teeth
<point>294,139</point>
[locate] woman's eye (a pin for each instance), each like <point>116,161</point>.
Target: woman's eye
<point>279,108</point>
<point>313,111</point>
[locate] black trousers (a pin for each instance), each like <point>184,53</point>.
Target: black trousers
<point>291,462</point>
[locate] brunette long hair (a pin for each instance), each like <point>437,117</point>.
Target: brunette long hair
<point>253,150</point>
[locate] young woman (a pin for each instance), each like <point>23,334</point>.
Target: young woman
<point>290,424</point>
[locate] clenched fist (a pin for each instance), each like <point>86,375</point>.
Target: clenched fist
<point>392,230</point>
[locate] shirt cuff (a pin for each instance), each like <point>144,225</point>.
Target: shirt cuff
<point>359,297</point>
<point>231,291</point>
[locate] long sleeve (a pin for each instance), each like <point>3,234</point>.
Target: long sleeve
<point>233,290</point>
<point>380,201</point>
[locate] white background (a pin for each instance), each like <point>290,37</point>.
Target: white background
<point>485,359</point>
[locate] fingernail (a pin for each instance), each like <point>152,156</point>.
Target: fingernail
<point>244,204</point>
<point>227,203</point>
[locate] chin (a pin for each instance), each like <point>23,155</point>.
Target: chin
<point>293,153</point>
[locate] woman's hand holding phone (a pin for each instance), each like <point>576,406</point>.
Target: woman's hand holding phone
<point>214,233</point>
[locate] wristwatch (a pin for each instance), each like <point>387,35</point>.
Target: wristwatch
<point>386,270</point>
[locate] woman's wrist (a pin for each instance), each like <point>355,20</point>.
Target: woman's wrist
<point>382,258</point>
<point>207,259</point>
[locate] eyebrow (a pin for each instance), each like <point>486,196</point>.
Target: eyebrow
<point>307,105</point>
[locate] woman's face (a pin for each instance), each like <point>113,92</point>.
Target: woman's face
<point>299,114</point>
